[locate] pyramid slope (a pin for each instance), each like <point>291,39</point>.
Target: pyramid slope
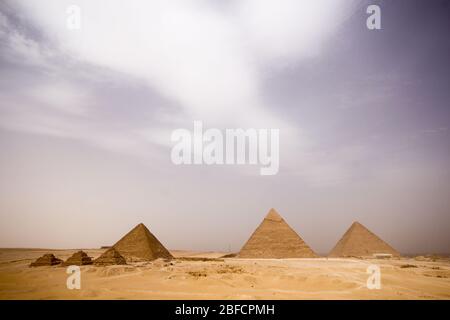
<point>358,241</point>
<point>141,245</point>
<point>275,239</point>
<point>110,257</point>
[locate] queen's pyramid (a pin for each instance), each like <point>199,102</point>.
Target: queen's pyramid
<point>110,257</point>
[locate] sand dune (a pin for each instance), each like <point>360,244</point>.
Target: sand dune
<point>215,278</point>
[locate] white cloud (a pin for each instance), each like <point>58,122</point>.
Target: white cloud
<point>204,56</point>
<point>61,97</point>
<point>21,48</point>
<point>290,29</point>
<point>207,58</point>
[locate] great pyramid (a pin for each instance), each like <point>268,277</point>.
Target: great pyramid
<point>79,258</point>
<point>358,241</point>
<point>110,257</point>
<point>141,245</point>
<point>275,239</point>
<point>46,260</point>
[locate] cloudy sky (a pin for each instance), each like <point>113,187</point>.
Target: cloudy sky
<point>86,117</point>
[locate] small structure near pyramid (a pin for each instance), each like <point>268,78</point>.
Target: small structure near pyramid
<point>358,241</point>
<point>110,257</point>
<point>275,239</point>
<point>141,245</point>
<point>46,260</point>
<point>79,258</point>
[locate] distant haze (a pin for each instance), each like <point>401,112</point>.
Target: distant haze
<point>86,117</point>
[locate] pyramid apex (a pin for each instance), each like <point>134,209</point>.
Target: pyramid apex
<point>273,215</point>
<point>357,224</point>
<point>140,226</point>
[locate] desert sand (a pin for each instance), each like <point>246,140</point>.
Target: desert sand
<point>204,275</point>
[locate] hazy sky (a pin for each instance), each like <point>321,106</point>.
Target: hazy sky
<point>86,117</point>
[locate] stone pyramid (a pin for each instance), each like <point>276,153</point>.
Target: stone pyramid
<point>46,260</point>
<point>141,245</point>
<point>358,241</point>
<point>110,257</point>
<point>275,239</point>
<point>79,258</point>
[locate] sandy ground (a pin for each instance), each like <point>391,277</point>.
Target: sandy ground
<point>213,278</point>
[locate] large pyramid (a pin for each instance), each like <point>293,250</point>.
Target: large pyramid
<point>358,241</point>
<point>275,239</point>
<point>141,245</point>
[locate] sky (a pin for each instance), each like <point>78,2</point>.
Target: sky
<point>86,117</point>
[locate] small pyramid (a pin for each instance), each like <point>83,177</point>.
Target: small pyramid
<point>274,238</point>
<point>141,245</point>
<point>79,258</point>
<point>46,260</point>
<point>358,241</point>
<point>110,257</point>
